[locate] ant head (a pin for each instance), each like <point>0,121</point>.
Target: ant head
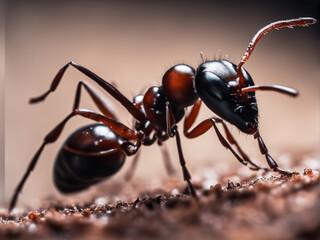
<point>217,85</point>
<point>178,86</point>
<point>228,90</point>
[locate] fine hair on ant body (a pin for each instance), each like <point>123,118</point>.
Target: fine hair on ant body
<point>98,151</point>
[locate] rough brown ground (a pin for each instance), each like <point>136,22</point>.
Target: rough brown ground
<point>242,205</point>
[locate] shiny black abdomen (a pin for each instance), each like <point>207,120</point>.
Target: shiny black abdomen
<point>88,156</point>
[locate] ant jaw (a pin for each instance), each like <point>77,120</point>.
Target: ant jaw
<point>248,128</point>
<point>252,128</point>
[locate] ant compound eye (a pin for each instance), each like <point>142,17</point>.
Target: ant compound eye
<point>178,85</point>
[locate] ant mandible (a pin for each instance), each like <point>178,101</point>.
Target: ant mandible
<point>95,152</point>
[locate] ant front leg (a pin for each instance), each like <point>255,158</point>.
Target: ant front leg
<point>53,135</point>
<point>172,130</point>
<point>272,163</point>
<point>205,125</point>
<point>232,140</point>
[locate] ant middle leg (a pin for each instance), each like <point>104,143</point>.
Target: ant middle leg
<point>172,131</point>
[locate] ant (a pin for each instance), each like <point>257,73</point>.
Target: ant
<point>95,152</point>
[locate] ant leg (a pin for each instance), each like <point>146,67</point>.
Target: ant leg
<point>25,177</point>
<point>53,135</point>
<point>117,127</point>
<point>223,141</point>
<point>97,100</point>
<point>204,126</point>
<point>185,171</point>
<point>272,163</point>
<point>191,117</point>
<point>135,112</point>
<point>167,160</point>
<point>130,172</point>
<point>172,130</point>
<point>232,140</point>
<point>166,156</point>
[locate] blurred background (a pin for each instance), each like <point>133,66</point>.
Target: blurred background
<point>2,79</point>
<point>132,44</point>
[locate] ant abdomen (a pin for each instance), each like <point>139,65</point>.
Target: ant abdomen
<point>89,155</point>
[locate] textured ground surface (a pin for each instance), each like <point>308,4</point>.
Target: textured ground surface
<point>242,205</point>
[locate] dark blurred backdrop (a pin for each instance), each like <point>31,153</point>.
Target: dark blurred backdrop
<point>131,44</point>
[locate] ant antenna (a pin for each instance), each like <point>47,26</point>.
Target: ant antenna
<point>281,89</point>
<point>301,22</point>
